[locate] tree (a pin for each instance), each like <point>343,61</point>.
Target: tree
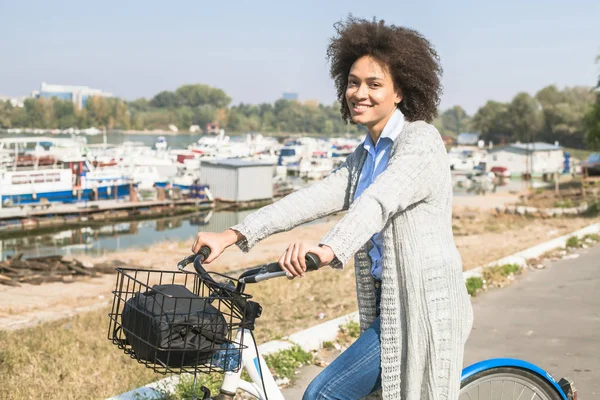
<point>65,114</point>
<point>199,95</point>
<point>5,114</point>
<point>455,120</point>
<point>525,117</point>
<point>491,121</point>
<point>592,118</point>
<point>98,111</point>
<point>40,113</point>
<point>563,113</point>
<point>165,99</point>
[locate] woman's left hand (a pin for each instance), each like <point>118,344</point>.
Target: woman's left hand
<point>293,259</point>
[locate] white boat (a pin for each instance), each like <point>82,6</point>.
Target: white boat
<point>161,144</point>
<point>54,170</point>
<point>315,168</point>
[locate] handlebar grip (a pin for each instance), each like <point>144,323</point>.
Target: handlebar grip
<point>312,264</point>
<point>202,255</point>
<point>312,261</point>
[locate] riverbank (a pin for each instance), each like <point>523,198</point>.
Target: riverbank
<point>63,369</point>
<point>480,235</point>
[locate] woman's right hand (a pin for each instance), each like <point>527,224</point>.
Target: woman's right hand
<point>217,242</point>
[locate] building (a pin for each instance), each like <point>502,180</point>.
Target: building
<point>520,158</point>
<point>238,180</point>
<point>14,101</point>
<point>290,96</point>
<point>448,140</point>
<point>212,128</point>
<point>77,94</point>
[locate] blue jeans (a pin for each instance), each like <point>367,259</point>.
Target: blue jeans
<point>355,373</point>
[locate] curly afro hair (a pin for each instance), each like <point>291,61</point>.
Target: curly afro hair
<point>412,61</point>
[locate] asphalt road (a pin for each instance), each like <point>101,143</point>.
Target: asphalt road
<point>550,317</point>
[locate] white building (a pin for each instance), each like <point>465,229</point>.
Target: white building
<point>77,94</point>
<point>14,101</point>
<point>542,158</point>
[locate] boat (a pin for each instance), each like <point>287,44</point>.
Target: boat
<point>161,144</point>
<point>70,178</point>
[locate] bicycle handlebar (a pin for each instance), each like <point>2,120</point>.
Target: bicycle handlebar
<point>267,271</point>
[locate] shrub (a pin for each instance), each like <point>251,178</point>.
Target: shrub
<point>474,283</point>
<point>573,241</point>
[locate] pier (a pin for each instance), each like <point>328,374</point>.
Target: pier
<point>41,216</point>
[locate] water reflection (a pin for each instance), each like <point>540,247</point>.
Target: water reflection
<point>96,240</point>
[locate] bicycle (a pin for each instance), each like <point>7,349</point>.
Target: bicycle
<point>236,350</point>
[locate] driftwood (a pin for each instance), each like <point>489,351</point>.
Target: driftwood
<point>37,270</point>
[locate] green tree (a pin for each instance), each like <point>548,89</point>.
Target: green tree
<point>525,117</point>
<point>564,113</point>
<point>98,111</point>
<point>592,118</point>
<point>492,121</point>
<point>455,120</point>
<point>200,95</point>
<point>139,105</point>
<point>65,114</point>
<point>40,113</point>
<point>5,115</point>
<point>165,99</point>
<point>204,114</point>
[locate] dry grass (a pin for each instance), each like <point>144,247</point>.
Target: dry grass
<point>66,360</point>
<point>72,359</point>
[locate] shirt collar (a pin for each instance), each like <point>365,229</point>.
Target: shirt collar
<point>391,130</point>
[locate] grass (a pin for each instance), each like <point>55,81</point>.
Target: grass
<point>285,363</point>
<point>73,359</point>
<point>474,284</point>
<point>496,275</point>
<point>66,360</point>
<point>499,273</point>
<point>328,345</point>
<point>351,329</point>
<point>282,365</point>
<point>566,203</point>
<point>573,241</point>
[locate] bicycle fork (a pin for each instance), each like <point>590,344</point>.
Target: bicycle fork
<point>250,362</point>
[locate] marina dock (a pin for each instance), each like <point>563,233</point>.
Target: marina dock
<point>38,216</point>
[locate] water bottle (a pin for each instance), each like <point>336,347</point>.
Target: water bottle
<point>227,357</point>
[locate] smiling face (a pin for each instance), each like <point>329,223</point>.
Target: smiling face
<point>370,94</point>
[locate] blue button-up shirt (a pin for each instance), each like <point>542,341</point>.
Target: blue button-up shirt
<point>377,160</point>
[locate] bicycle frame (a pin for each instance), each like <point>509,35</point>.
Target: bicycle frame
<point>250,362</point>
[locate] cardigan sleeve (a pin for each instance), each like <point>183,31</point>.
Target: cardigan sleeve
<point>320,199</point>
<point>408,179</point>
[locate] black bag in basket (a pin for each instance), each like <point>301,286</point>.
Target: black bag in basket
<point>170,325</point>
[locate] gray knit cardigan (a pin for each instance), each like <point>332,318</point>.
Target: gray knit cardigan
<point>426,313</point>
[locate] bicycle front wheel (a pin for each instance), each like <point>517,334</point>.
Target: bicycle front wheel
<point>507,383</point>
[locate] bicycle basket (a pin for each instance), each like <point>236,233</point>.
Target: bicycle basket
<point>174,322</point>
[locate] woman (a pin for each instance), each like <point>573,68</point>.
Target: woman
<point>415,313</point>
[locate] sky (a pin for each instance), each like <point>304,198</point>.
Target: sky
<point>256,50</point>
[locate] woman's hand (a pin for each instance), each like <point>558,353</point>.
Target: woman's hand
<point>217,242</point>
<point>293,259</point>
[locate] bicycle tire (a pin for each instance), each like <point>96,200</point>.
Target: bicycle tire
<point>523,381</point>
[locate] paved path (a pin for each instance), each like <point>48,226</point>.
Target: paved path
<point>550,317</point>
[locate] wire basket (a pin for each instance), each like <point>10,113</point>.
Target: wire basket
<point>177,322</point>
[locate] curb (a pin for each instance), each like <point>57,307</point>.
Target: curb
<point>313,338</point>
<point>521,257</point>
